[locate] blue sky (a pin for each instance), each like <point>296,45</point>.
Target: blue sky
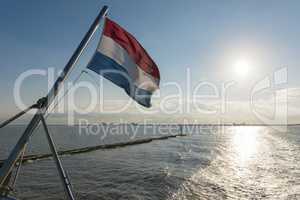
<point>208,37</point>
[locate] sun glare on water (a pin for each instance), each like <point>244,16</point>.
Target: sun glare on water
<point>245,142</point>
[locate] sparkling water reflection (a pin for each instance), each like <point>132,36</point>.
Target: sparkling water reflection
<point>251,162</point>
<point>245,143</point>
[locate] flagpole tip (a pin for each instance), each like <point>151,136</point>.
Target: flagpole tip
<point>105,7</point>
<point>104,10</point>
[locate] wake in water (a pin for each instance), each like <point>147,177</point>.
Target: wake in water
<point>251,163</point>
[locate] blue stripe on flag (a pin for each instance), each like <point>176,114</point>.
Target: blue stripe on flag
<point>114,72</point>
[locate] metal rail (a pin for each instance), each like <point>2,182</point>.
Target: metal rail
<point>62,174</point>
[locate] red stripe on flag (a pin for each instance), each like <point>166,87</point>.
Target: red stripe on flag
<point>132,46</point>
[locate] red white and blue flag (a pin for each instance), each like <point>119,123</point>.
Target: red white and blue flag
<point>121,59</point>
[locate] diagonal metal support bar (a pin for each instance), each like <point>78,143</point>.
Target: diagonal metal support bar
<point>63,175</point>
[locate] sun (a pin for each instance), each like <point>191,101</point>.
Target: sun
<point>242,68</point>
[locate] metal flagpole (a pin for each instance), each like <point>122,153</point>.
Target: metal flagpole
<point>43,103</point>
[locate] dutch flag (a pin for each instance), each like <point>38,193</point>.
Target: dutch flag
<point>121,59</point>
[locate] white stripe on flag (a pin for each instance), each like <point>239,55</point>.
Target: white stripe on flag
<point>113,50</point>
